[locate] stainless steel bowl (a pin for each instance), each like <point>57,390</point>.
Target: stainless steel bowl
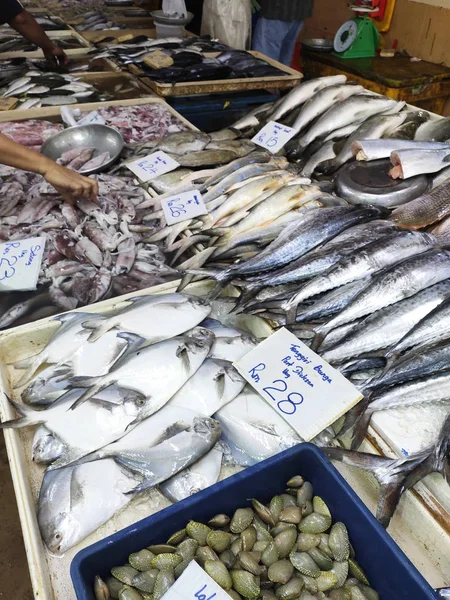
<point>318,44</point>
<point>160,17</point>
<point>100,137</point>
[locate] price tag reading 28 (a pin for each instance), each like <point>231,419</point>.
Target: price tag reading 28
<point>183,207</point>
<point>274,136</point>
<point>303,388</point>
<point>152,166</point>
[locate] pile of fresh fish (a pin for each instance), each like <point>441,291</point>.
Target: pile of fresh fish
<point>141,122</point>
<point>17,67</point>
<point>95,21</point>
<point>31,132</point>
<point>47,22</point>
<point>92,251</point>
<point>133,50</point>
<point>128,398</point>
<point>35,89</point>
<point>16,43</point>
<point>192,65</point>
<point>84,160</point>
<point>288,548</point>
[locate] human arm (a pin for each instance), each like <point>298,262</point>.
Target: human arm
<point>69,184</point>
<point>25,24</point>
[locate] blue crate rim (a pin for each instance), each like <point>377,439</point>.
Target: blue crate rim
<point>166,513</point>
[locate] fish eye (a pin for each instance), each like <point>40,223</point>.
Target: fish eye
<point>141,402</point>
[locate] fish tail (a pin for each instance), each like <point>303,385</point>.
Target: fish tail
<point>31,368</point>
<point>24,363</point>
<point>184,282</point>
<point>185,244</point>
<point>361,427</point>
<point>387,502</point>
<point>28,416</point>
<point>250,291</point>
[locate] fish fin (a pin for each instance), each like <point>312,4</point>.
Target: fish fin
<point>182,245</point>
<point>134,342</point>
<point>219,380</point>
<point>90,391</point>
<point>28,416</point>
<point>98,328</point>
<point>71,316</point>
<point>172,430</point>
<point>447,158</point>
<point>146,484</point>
<point>361,427</point>
<point>182,352</point>
<point>69,458</point>
<point>387,502</point>
<point>360,460</point>
<point>251,289</point>
<point>24,363</point>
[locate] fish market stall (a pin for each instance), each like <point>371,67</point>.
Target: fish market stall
<point>50,572</point>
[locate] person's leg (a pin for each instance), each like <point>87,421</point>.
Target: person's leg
<point>288,45</point>
<point>269,35</point>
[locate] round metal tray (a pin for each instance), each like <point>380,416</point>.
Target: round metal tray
<point>369,183</point>
<point>160,17</point>
<point>318,44</point>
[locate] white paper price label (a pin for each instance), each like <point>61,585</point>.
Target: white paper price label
<point>195,584</point>
<point>153,165</point>
<point>20,263</point>
<point>274,136</point>
<point>183,207</point>
<point>303,388</point>
<point>92,117</point>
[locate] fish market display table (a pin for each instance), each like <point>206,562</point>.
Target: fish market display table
<point>422,83</point>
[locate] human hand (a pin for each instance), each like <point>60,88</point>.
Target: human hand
<point>55,55</point>
<point>70,184</point>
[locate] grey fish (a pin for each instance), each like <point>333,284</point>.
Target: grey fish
<point>168,181</point>
<point>435,131</point>
<point>389,472</point>
<point>433,328</point>
<point>373,128</point>
<point>419,362</point>
<point>388,325</point>
<point>165,460</point>
<point>58,100</point>
<point>407,130</point>
<point>371,259</point>
<point>239,147</point>
<point>352,109</point>
<point>217,188</point>
<point>205,158</point>
<point>325,153</point>
<point>396,283</point>
<point>435,388</point>
<point>300,237</point>
<point>253,118</point>
<point>184,142</point>
<point>376,149</point>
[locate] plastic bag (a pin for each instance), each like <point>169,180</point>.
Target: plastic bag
<point>229,21</point>
<point>174,8</point>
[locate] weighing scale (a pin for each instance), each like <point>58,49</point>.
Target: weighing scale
<point>358,37</point>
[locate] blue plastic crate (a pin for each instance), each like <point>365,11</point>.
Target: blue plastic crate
<point>387,568</point>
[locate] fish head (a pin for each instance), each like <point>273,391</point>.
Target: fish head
<point>136,401</point>
<point>199,340</point>
<point>61,533</point>
<point>46,447</point>
<point>208,428</point>
<point>47,386</point>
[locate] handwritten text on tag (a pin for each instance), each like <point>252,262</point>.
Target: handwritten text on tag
<point>302,387</point>
<point>195,584</point>
<point>92,117</point>
<point>152,166</point>
<point>183,207</point>
<point>274,136</point>
<point>20,263</point>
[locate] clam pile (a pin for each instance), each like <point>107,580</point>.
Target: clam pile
<point>289,549</point>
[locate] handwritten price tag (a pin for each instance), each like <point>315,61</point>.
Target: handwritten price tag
<point>92,117</point>
<point>274,136</point>
<point>152,166</point>
<point>183,207</point>
<point>195,584</point>
<point>20,263</point>
<point>303,388</point>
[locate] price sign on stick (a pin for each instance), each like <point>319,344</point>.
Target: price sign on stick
<point>274,136</point>
<point>195,584</point>
<point>152,166</point>
<point>302,387</point>
<point>20,263</point>
<point>183,207</point>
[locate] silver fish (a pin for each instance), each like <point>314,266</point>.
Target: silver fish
<point>197,477</point>
<point>408,163</point>
<point>184,142</point>
<point>156,371</point>
<point>214,385</point>
<point>165,460</point>
<point>436,131</point>
<point>302,93</point>
<point>325,153</point>
<point>75,501</point>
<point>376,149</point>
<point>374,257</point>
